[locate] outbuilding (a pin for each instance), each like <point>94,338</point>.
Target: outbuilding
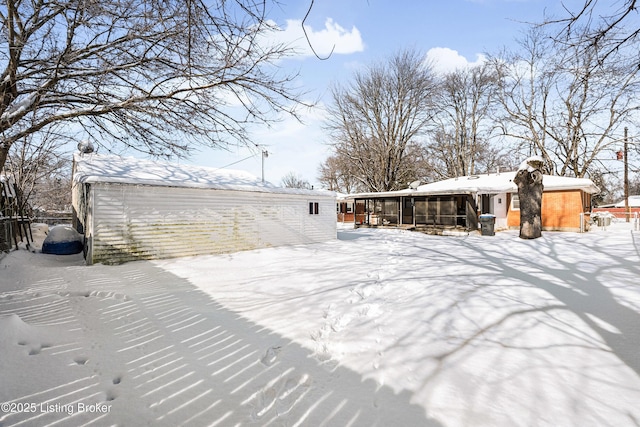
<point>132,209</point>
<point>457,203</point>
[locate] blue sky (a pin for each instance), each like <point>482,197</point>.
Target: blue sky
<point>452,33</point>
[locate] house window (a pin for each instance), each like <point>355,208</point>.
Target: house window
<point>314,208</point>
<point>515,202</point>
<point>344,207</point>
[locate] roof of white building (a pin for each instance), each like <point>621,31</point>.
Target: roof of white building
<point>486,184</point>
<point>91,168</point>
<point>634,202</point>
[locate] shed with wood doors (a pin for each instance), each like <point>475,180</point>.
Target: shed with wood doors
<point>132,209</point>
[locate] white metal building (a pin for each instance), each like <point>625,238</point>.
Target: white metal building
<point>131,209</point>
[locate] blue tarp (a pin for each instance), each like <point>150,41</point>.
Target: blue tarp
<point>62,240</point>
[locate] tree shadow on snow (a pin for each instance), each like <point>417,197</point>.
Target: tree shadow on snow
<point>583,289</point>
<point>176,357</point>
<point>515,307</point>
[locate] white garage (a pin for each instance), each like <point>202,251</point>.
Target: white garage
<point>132,209</point>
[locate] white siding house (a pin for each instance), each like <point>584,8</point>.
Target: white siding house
<point>131,209</point>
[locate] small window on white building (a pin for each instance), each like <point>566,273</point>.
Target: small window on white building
<point>314,208</point>
<point>515,202</point>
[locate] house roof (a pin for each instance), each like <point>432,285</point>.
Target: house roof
<point>485,184</point>
<point>634,202</point>
<point>91,168</point>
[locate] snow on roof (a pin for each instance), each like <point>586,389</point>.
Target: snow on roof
<point>531,164</point>
<point>487,184</point>
<point>634,202</point>
<point>490,183</point>
<point>90,168</point>
<point>503,182</point>
<point>554,182</point>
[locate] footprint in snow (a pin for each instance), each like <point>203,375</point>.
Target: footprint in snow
<point>81,360</point>
<point>110,395</point>
<point>280,397</point>
<point>36,349</point>
<point>270,356</point>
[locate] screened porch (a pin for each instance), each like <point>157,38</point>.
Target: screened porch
<point>437,211</point>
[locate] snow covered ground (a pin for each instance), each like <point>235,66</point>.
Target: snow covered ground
<point>380,327</point>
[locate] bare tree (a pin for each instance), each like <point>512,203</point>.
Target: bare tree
<point>335,175</point>
<point>293,180</point>
<point>634,186</point>
<point>607,183</point>
<point>564,104</point>
<point>154,76</point>
<point>40,173</point>
<point>461,139</point>
<point>524,88</point>
<point>377,118</point>
<point>607,27</point>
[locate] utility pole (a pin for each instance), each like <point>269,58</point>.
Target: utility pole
<point>265,154</point>
<point>627,214</point>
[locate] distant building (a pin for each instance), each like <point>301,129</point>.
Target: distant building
<point>618,209</point>
<point>456,203</point>
<point>130,209</point>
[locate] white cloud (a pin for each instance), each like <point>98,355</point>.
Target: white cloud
<point>331,37</point>
<point>446,60</point>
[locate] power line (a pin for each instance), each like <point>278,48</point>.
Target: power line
<point>242,160</point>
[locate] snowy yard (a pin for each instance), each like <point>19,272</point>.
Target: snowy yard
<point>380,327</point>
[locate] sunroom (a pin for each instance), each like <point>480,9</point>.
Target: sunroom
<point>416,211</point>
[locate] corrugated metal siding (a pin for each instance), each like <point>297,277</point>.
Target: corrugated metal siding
<point>132,222</point>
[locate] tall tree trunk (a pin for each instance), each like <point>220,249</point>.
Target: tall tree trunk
<point>529,182</point>
<point>4,151</point>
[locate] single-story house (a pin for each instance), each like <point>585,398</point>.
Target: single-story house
<point>457,203</point>
<point>131,209</point>
<point>344,209</point>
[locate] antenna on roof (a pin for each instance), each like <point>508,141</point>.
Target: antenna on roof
<point>414,185</point>
<point>85,146</point>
